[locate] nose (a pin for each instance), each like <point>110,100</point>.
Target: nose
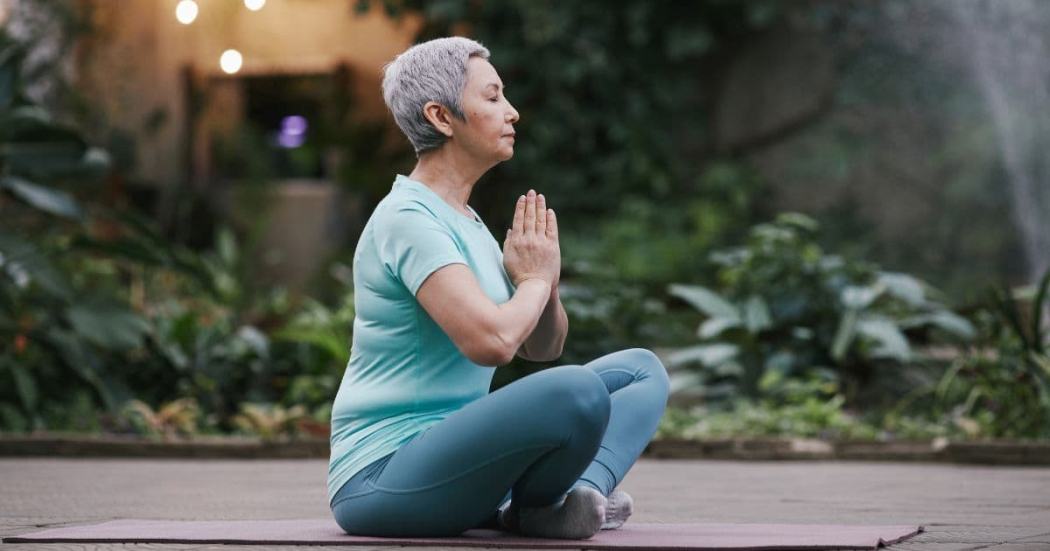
<point>513,114</point>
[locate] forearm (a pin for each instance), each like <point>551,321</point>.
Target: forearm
<point>548,338</point>
<point>519,316</point>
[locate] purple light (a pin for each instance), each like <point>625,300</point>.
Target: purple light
<point>294,125</point>
<point>290,141</point>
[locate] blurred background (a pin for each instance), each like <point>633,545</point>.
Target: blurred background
<point>830,218</point>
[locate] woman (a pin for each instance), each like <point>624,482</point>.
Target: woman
<point>419,445</point>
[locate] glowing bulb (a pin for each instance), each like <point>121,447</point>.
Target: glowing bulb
<point>186,11</point>
<point>254,5</point>
<point>230,61</point>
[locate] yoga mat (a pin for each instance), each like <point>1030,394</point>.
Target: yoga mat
<point>629,536</point>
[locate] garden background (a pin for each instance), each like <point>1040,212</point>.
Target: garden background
<point>829,218</point>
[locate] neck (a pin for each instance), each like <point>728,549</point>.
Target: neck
<point>450,173</point>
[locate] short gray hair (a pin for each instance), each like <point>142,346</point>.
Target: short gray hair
<point>435,70</point>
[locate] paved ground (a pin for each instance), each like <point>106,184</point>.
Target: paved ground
<point>962,507</point>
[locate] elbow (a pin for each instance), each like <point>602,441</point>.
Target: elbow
<point>491,356</point>
<point>501,350</point>
<point>491,349</point>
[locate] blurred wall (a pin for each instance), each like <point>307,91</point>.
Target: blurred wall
<point>131,66</point>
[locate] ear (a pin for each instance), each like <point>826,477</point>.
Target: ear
<point>439,116</point>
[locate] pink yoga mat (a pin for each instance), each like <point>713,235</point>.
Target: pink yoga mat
<point>629,536</point>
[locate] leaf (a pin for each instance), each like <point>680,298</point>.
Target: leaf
<point>684,380</point>
<point>782,361</point>
<point>857,297</point>
<point>24,264</point>
<point>903,286</point>
<point>728,369</point>
<point>136,251</point>
<point>94,164</point>
<point>945,320</point>
<point>1006,308</point>
<point>10,63</point>
<point>43,198</point>
<point>85,363</point>
<point>255,339</point>
<point>1037,313</point>
<point>707,354</point>
<point>756,315</point>
<point>798,220</point>
<point>704,300</point>
<point>57,155</point>
<point>802,333</point>
<point>847,329</point>
<point>24,382</point>
<point>892,342</point>
<point>713,327</point>
<point>107,324</point>
<point>22,119</point>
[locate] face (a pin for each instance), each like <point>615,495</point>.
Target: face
<point>488,131</point>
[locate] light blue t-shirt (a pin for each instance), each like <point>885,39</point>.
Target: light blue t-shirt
<point>404,373</point>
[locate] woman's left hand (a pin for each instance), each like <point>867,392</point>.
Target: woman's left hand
<point>531,247</point>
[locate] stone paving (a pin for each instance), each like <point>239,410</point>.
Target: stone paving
<point>962,507</point>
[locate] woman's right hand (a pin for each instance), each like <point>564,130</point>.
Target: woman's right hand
<point>531,249</point>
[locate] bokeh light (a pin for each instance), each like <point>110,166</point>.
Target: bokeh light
<point>186,11</point>
<point>231,61</point>
<point>293,131</point>
<point>254,5</point>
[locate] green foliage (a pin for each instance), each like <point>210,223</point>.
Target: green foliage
<point>785,306</point>
<point>813,418</point>
<point>611,94</point>
<point>1001,388</point>
<point>810,407</point>
<point>100,309</point>
<point>35,148</point>
<point>652,244</point>
<point>51,328</point>
<point>319,338</point>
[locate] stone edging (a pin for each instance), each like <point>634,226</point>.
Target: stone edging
<point>938,450</point>
<point>77,445</point>
<point>735,448</point>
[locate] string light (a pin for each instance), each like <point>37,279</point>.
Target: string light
<point>186,11</point>
<point>230,61</point>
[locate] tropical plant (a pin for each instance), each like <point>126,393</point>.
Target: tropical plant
<point>48,323</point>
<point>785,306</point>
<point>1001,386</point>
<point>181,416</point>
<point>319,339</point>
<point>268,420</point>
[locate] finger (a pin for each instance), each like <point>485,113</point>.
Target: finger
<point>541,214</point>
<point>552,224</point>
<point>530,212</point>
<point>519,216</point>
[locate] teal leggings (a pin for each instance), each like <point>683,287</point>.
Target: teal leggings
<point>534,439</point>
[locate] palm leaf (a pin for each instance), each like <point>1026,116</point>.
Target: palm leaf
<point>1037,314</point>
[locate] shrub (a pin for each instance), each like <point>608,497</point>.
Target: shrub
<point>785,306</point>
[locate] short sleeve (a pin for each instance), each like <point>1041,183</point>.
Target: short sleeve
<point>412,243</point>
